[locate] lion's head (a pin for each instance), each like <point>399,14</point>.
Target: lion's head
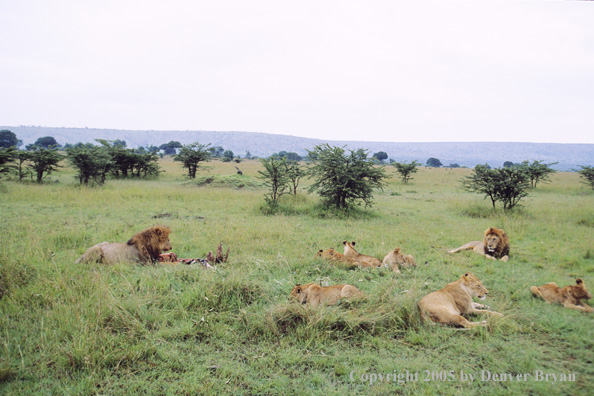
<point>474,286</point>
<point>152,242</point>
<point>298,293</point>
<point>496,242</point>
<point>579,290</point>
<point>325,253</point>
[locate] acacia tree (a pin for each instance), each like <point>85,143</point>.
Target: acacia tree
<point>191,155</point>
<point>276,177</point>
<point>20,157</point>
<point>92,163</point>
<point>44,161</point>
<point>507,185</point>
<point>342,178</point>
<point>537,171</point>
<point>406,170</point>
<point>6,157</point>
<point>294,174</point>
<point>587,173</point>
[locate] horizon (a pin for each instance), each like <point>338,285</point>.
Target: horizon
<point>287,135</point>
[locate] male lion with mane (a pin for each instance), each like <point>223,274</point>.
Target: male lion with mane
<point>447,305</point>
<point>495,245</point>
<point>568,296</point>
<point>314,294</point>
<point>143,247</point>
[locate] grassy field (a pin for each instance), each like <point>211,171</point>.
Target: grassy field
<point>175,329</point>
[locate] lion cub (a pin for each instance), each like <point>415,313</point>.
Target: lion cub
<point>314,294</point>
<point>396,260</point>
<point>335,257</point>
<point>447,305</point>
<point>366,261</point>
<point>569,296</point>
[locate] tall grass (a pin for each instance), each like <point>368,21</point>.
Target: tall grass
<point>176,329</point>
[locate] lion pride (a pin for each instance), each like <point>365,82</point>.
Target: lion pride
<point>314,294</point>
<point>143,247</point>
<point>447,305</point>
<point>568,296</point>
<point>366,261</point>
<point>495,245</point>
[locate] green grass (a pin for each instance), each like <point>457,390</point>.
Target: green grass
<point>176,329</point>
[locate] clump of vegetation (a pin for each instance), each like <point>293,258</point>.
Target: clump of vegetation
<point>275,177</point>
<point>507,185</point>
<point>406,170</point>
<point>192,155</point>
<point>228,181</point>
<point>536,171</point>
<point>587,174</point>
<point>92,163</point>
<point>44,161</point>
<point>343,179</point>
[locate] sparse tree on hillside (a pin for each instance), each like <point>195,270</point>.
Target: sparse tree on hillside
<point>341,178</point>
<point>537,171</point>
<point>508,164</point>
<point>380,156</point>
<point>191,155</point>
<point>434,162</point>
<point>170,148</point>
<point>291,156</point>
<point>406,170</point>
<point>8,139</point>
<point>44,161</point>
<point>587,173</point>
<point>217,151</point>
<point>228,156</point>
<point>45,142</point>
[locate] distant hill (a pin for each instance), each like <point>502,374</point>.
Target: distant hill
<point>568,156</point>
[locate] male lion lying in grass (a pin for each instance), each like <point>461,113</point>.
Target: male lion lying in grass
<point>314,294</point>
<point>366,261</point>
<point>447,305</point>
<point>495,245</point>
<point>569,296</point>
<point>143,247</point>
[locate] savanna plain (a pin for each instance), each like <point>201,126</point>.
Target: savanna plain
<point>174,329</point>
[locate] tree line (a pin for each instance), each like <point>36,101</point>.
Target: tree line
<point>343,178</point>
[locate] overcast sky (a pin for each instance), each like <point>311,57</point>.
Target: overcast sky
<point>409,71</point>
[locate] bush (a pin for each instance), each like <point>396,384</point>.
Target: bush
<point>587,173</point>
<point>341,178</point>
<point>507,185</point>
